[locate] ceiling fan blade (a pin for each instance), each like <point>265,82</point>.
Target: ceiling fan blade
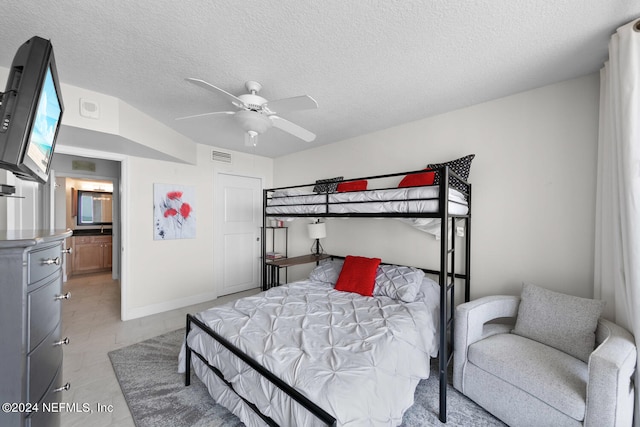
<point>303,102</point>
<point>206,114</point>
<point>292,128</point>
<point>208,86</point>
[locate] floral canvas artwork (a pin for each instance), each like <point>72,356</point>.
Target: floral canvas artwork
<point>174,212</point>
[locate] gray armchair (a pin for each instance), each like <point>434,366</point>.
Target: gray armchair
<point>526,383</point>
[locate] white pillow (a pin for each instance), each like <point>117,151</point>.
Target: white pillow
<point>327,271</point>
<point>398,282</point>
<point>429,292</point>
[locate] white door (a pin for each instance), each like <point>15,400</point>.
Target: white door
<point>238,218</point>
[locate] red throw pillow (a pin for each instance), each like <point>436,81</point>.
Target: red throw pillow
<point>358,275</point>
<point>360,185</point>
<point>418,179</point>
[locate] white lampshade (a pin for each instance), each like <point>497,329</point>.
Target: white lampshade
<point>317,230</point>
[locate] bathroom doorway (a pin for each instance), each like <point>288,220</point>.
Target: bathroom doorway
<point>87,201</point>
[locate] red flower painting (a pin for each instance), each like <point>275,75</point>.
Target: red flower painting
<point>174,212</point>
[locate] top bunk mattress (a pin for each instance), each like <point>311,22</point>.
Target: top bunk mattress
<point>409,200</point>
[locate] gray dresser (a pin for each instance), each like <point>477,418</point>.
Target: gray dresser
<point>30,327</point>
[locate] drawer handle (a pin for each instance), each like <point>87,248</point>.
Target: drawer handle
<point>50,261</point>
<point>61,342</point>
<point>65,387</point>
<point>67,251</point>
<point>63,296</point>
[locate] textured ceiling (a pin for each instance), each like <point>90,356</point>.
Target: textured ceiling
<point>369,64</point>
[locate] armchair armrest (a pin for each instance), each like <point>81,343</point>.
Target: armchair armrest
<point>610,388</point>
<point>470,326</point>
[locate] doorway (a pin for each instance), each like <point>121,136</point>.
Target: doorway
<point>86,199</point>
<point>109,168</point>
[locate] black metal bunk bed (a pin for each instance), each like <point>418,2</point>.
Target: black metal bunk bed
<point>446,279</point>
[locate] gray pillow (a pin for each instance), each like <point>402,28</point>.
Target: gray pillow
<point>398,282</point>
<point>561,321</point>
<point>327,271</point>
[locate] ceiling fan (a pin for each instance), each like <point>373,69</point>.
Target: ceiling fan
<point>256,115</point>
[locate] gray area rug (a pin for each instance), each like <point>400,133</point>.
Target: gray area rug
<point>156,395</point>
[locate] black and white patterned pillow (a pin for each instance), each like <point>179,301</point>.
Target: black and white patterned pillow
<point>327,185</point>
<point>461,166</point>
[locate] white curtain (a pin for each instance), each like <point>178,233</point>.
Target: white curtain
<point>617,237</point>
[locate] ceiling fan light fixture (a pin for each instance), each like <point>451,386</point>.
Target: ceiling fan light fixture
<point>253,121</point>
<point>251,138</point>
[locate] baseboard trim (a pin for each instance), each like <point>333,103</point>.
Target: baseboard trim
<point>148,310</point>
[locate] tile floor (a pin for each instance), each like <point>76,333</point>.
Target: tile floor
<point>91,321</point>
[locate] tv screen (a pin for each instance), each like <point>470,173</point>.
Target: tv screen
<point>31,112</point>
<point>45,125</point>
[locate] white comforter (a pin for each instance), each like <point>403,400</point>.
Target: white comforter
<point>359,358</point>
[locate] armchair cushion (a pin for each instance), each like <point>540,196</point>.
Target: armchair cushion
<point>564,322</point>
<point>543,372</point>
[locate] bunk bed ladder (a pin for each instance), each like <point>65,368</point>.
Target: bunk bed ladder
<point>263,243</point>
<point>447,288</point>
<point>467,249</point>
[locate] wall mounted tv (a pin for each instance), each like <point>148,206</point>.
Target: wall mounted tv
<point>31,112</point>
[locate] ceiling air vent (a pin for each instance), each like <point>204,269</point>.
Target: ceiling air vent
<point>220,156</point>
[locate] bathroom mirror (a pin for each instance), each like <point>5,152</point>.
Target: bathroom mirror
<point>94,208</point>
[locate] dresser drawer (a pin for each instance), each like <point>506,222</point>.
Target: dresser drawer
<point>43,312</point>
<point>43,263</point>
<point>44,418</point>
<point>42,365</point>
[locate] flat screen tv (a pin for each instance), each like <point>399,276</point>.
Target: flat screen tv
<point>31,112</point>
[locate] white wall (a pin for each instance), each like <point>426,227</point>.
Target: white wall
<point>533,187</point>
<point>139,134</point>
<point>21,212</point>
<point>163,275</point>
